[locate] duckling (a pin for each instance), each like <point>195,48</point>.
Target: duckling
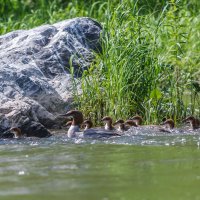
<point>138,120</point>
<point>17,132</point>
<point>88,124</point>
<point>108,123</point>
<point>194,122</point>
<point>121,125</point>
<point>169,125</point>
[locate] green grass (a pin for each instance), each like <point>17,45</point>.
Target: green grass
<point>150,60</point>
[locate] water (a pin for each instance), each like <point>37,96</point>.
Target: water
<point>139,165</point>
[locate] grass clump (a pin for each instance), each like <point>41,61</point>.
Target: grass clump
<point>150,59</point>
<point>148,65</point>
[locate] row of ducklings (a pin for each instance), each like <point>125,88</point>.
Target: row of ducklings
<point>113,129</point>
<point>110,129</point>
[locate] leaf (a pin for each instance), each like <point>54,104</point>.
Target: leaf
<point>156,94</point>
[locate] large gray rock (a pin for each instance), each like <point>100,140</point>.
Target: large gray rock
<point>35,83</point>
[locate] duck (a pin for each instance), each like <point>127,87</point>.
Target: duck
<point>108,123</point>
<point>194,122</point>
<point>13,132</point>
<point>16,132</point>
<point>169,125</point>
<point>77,120</point>
<point>121,125</point>
<point>138,120</point>
<point>87,124</point>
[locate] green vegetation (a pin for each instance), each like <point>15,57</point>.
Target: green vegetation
<point>150,60</point>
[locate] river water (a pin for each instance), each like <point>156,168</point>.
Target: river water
<point>141,165</point>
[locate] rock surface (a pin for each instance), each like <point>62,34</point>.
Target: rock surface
<point>35,83</point>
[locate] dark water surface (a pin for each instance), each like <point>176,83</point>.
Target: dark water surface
<point>139,165</point>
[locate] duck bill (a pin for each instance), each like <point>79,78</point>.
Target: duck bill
<point>66,115</point>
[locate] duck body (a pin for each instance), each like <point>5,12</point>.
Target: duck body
<point>97,132</point>
<point>138,123</point>
<point>122,128</point>
<point>73,129</point>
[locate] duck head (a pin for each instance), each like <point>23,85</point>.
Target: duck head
<point>108,123</point>
<point>137,119</point>
<point>88,124</point>
<point>77,117</point>
<point>189,119</point>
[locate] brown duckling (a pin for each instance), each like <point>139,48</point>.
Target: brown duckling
<point>138,120</point>
<point>169,125</point>
<point>17,132</point>
<point>108,123</point>
<point>88,124</point>
<point>121,125</point>
<point>194,122</point>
